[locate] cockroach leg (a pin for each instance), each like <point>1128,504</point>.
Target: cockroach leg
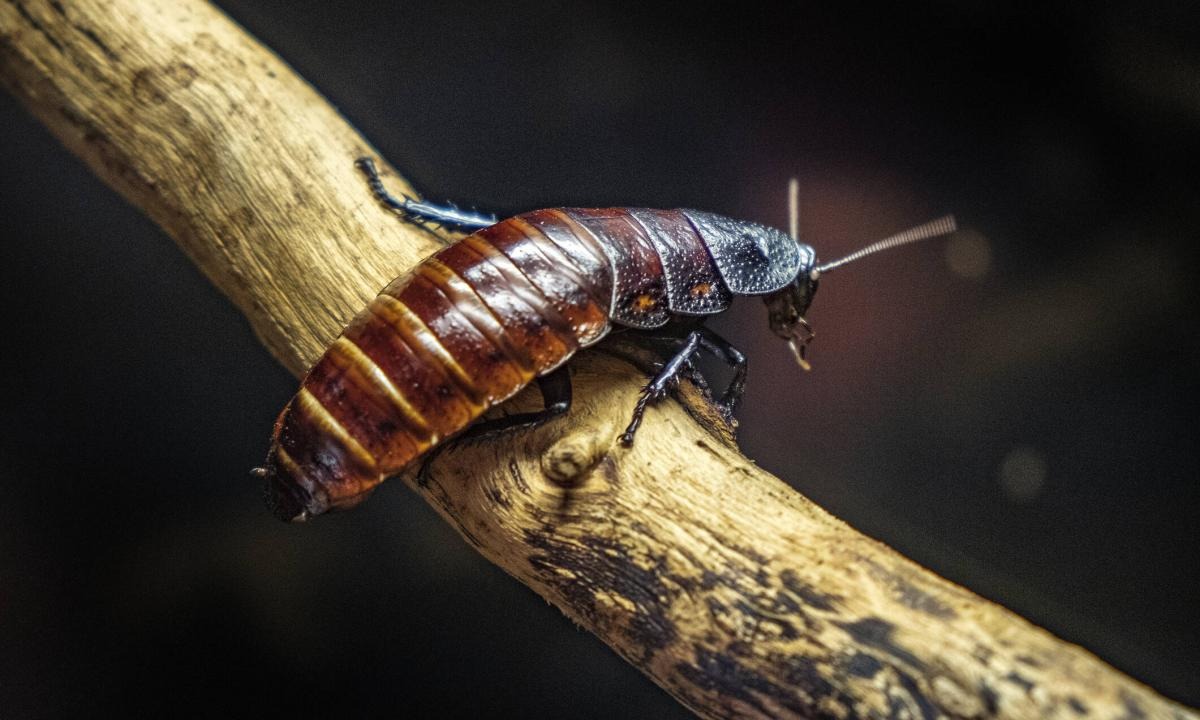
<point>422,211</point>
<point>725,350</point>
<point>556,394</point>
<point>448,215</point>
<point>657,387</point>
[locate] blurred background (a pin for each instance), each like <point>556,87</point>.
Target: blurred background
<point>1009,408</point>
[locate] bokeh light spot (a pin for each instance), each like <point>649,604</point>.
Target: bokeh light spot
<point>1022,474</point>
<point>969,254</point>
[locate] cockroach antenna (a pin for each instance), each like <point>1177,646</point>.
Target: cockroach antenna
<point>934,228</point>
<point>794,208</point>
<point>798,349</point>
<point>788,305</point>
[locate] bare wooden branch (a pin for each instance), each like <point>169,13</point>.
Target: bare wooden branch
<point>734,593</point>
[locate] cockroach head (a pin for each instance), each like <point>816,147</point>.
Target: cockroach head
<point>786,309</point>
<point>788,306</point>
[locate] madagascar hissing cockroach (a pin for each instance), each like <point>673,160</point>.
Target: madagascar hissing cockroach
<point>511,303</point>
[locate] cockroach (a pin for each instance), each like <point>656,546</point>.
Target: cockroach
<point>510,304</point>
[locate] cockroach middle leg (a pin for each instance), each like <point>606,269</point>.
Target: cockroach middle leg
<point>422,211</point>
<point>658,386</point>
<point>725,350</point>
<point>556,396</point>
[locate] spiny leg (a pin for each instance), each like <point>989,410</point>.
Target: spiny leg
<point>725,350</point>
<point>658,386</point>
<point>556,396</point>
<point>421,211</point>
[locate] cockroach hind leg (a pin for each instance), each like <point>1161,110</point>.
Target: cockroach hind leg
<point>448,215</point>
<point>367,167</point>
<point>422,212</point>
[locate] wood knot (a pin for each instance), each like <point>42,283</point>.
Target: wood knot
<point>566,462</point>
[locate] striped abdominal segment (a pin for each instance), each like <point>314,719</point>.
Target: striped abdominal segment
<point>465,330</point>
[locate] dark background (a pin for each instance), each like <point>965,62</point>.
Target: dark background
<point>1023,425</point>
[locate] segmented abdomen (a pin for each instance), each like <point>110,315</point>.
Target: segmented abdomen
<point>466,329</point>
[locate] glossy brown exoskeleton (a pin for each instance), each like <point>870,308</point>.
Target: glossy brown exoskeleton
<point>512,302</point>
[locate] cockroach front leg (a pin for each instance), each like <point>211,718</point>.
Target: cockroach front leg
<point>422,211</point>
<point>725,350</point>
<point>657,387</point>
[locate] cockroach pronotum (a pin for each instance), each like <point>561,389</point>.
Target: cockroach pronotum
<point>510,304</point>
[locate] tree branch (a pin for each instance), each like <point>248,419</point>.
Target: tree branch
<point>734,593</point>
